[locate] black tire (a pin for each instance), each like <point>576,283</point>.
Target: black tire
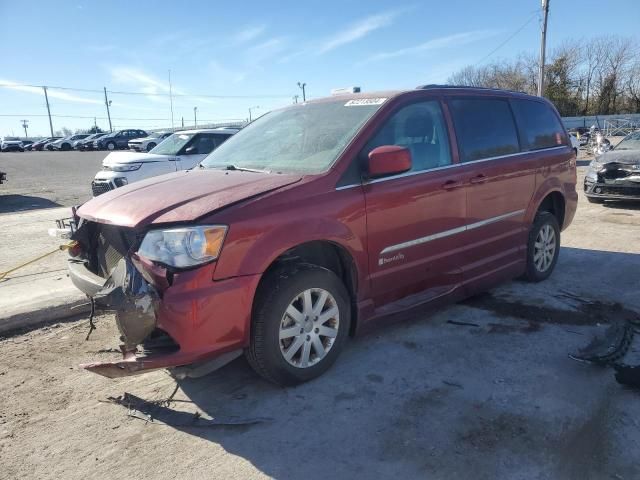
<point>151,146</point>
<point>111,146</point>
<point>533,273</point>
<point>276,293</point>
<point>65,147</point>
<point>595,200</point>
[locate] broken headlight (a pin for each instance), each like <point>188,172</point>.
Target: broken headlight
<point>183,247</point>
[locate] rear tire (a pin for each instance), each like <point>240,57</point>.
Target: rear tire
<point>111,146</point>
<point>151,146</point>
<point>301,319</point>
<point>65,147</point>
<point>543,247</point>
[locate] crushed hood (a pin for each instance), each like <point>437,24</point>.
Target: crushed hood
<point>628,157</point>
<point>133,157</point>
<point>179,197</point>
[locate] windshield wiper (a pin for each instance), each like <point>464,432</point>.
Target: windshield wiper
<point>244,169</point>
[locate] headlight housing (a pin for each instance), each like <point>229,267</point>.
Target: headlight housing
<point>126,167</point>
<point>185,246</point>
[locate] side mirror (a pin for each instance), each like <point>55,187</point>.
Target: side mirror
<point>389,160</point>
<point>192,150</point>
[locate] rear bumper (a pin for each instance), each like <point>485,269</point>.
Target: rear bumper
<point>204,318</point>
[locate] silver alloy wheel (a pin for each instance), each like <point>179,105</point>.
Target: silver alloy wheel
<point>309,327</point>
<point>111,146</point>
<point>544,248</point>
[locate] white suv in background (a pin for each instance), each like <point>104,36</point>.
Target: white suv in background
<point>180,151</point>
<point>147,144</point>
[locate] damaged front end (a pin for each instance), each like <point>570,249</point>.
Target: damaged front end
<point>103,267</point>
<point>613,181</point>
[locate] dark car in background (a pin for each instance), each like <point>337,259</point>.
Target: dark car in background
<point>615,175</point>
<point>40,144</point>
<point>87,143</point>
<point>118,140</point>
<point>26,144</point>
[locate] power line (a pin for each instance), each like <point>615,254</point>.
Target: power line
<point>145,94</point>
<point>105,118</point>
<point>535,14</point>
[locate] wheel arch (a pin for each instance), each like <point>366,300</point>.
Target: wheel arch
<point>324,253</point>
<point>552,201</point>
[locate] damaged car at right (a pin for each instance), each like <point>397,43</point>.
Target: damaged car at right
<point>615,175</point>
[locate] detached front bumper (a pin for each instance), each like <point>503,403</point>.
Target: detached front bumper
<point>202,318</point>
<point>612,190</point>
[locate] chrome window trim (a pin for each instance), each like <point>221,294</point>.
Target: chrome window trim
<point>453,165</point>
<point>448,233</point>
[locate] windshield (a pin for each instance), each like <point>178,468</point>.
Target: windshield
<point>305,138</point>
<point>172,144</point>
<point>11,139</point>
<point>630,142</point>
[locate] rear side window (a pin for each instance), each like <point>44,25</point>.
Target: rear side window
<point>484,127</point>
<point>539,125</point>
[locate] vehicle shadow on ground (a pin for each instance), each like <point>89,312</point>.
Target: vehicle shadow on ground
<point>426,396</point>
<point>618,205</point>
<point>21,203</point>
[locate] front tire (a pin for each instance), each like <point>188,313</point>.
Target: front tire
<point>111,146</point>
<point>543,247</point>
<point>301,319</point>
<point>151,146</point>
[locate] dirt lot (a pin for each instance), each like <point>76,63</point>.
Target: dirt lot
<point>497,398</point>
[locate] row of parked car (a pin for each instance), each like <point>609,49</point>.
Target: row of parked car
<point>134,139</point>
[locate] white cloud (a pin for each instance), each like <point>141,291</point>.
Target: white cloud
<point>265,50</point>
<point>456,39</point>
<point>51,93</point>
<point>358,30</point>
<point>248,33</point>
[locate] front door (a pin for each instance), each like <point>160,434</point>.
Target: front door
<point>413,219</point>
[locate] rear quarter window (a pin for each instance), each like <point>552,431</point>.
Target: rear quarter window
<point>484,127</point>
<point>539,125</point>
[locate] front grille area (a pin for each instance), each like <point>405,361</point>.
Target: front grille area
<point>106,245</point>
<point>98,188</point>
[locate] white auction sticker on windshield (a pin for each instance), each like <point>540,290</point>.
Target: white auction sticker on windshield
<point>365,101</point>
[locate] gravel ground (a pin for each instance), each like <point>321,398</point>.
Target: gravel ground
<point>421,399</point>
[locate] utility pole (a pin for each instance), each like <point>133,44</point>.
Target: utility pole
<point>107,102</point>
<point>25,124</point>
<point>46,99</point>
<point>252,108</point>
<point>543,45</point>
<point>171,98</point>
<point>304,95</point>
<point>195,116</point>
<point>182,122</point>
<point>295,98</point>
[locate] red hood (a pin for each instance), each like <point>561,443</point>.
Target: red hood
<point>179,197</point>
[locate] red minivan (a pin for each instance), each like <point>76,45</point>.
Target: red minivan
<point>323,218</point>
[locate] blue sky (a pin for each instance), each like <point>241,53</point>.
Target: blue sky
<point>257,48</point>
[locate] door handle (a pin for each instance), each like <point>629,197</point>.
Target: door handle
<point>451,184</point>
<point>478,178</point>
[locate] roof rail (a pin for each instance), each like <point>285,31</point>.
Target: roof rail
<point>434,85</point>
